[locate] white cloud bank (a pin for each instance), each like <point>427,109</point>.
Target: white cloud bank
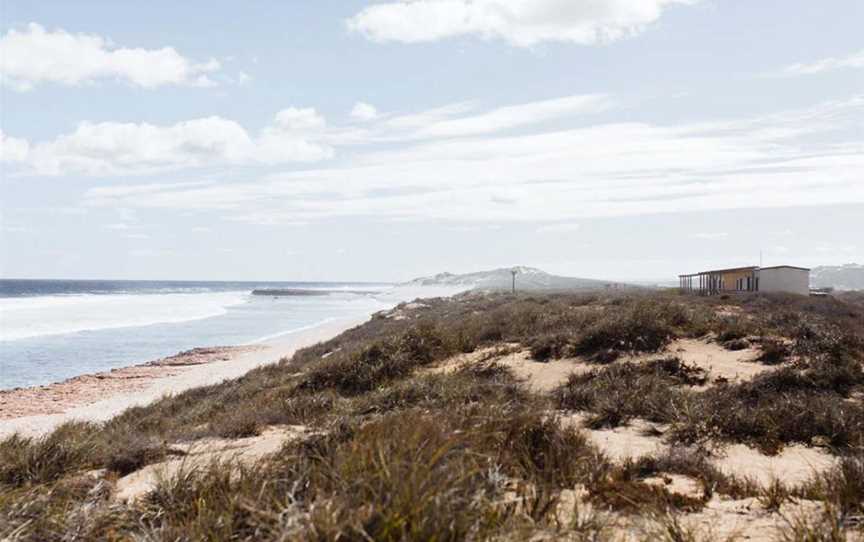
<point>523,23</point>
<point>34,56</point>
<point>112,147</point>
<point>855,60</point>
<point>463,119</point>
<point>709,236</point>
<point>514,116</point>
<point>13,149</point>
<point>364,112</point>
<point>294,135</point>
<point>565,227</point>
<point>557,174</point>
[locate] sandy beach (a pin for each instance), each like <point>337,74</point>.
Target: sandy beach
<point>100,396</point>
<point>97,397</point>
<point>56,398</point>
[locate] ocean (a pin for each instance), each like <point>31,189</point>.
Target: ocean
<point>51,330</point>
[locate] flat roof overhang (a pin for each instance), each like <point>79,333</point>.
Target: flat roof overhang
<point>787,267</point>
<point>749,268</point>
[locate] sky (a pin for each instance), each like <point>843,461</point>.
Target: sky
<point>384,140</point>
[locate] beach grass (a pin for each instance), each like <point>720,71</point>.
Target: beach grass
<point>395,450</point>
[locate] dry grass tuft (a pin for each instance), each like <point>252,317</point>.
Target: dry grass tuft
<point>397,453</point>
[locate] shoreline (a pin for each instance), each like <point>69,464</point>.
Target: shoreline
<point>40,409</point>
<point>141,384</point>
<point>84,389</point>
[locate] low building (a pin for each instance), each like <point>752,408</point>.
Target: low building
<point>780,278</point>
<point>785,278</point>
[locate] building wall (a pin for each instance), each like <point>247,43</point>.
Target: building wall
<point>784,279</point>
<point>730,278</point>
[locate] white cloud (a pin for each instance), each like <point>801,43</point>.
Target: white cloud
<point>837,249</point>
<point>564,227</point>
<point>149,252</point>
<point>8,228</point>
<point>13,149</point>
<point>519,115</point>
<point>425,118</point>
<point>299,120</point>
<point>364,112</point>
<point>855,60</point>
<point>113,147</point>
<point>119,226</point>
<point>124,191</point>
<point>34,56</point>
<point>710,236</point>
<point>463,119</point>
<point>521,22</point>
<point>109,147</point>
<point>805,157</point>
<point>294,135</point>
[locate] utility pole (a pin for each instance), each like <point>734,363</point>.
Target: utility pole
<point>514,272</point>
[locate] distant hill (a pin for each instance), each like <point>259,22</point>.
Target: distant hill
<point>839,277</point>
<point>528,278</point>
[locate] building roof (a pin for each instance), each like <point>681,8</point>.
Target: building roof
<point>749,268</point>
<point>787,267</point>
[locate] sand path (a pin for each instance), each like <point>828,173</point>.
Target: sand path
<point>200,454</point>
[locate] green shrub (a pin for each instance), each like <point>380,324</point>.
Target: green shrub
<point>547,347</point>
<point>620,392</point>
<point>382,362</point>
<point>399,453</point>
<point>769,412</point>
<point>25,461</point>
<point>642,327</point>
<point>736,344</point>
<point>774,352</point>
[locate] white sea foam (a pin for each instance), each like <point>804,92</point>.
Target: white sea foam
<point>28,317</point>
<point>273,336</point>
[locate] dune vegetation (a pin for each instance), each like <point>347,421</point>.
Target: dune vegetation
<point>414,427</point>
